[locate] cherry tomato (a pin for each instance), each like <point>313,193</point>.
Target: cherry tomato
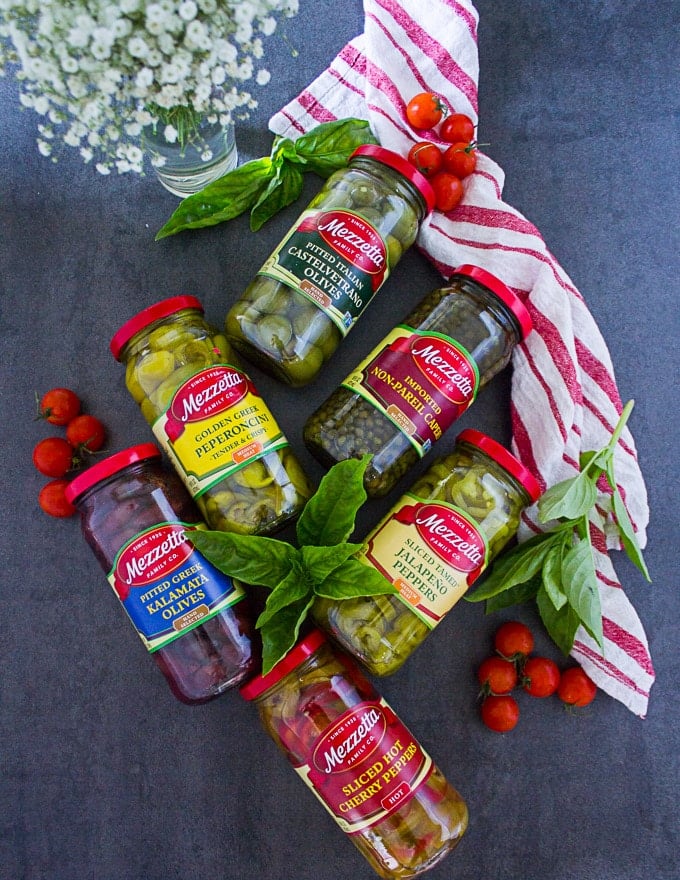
<point>425,110</point>
<point>457,127</point>
<point>513,640</point>
<point>540,677</point>
<point>59,406</point>
<point>501,713</point>
<point>53,456</point>
<point>576,688</point>
<point>427,158</point>
<point>448,190</point>
<point>497,676</point>
<point>52,499</point>
<point>460,159</point>
<point>86,432</point>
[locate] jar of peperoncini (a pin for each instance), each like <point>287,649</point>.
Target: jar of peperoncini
<point>402,398</point>
<point>319,280</point>
<point>365,766</point>
<point>432,545</point>
<point>208,417</point>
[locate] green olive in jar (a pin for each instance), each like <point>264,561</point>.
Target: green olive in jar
<point>218,433</point>
<point>319,280</point>
<point>433,544</point>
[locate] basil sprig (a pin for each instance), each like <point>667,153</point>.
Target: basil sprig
<point>324,564</point>
<point>267,185</point>
<point>556,568</point>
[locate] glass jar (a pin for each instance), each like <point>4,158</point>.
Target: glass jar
<point>208,417</point>
<point>138,518</point>
<point>423,375</point>
<point>432,545</point>
<point>316,284</point>
<point>349,747</point>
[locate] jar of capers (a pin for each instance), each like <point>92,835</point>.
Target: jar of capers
<point>432,545</point>
<point>423,375</point>
<point>316,284</point>
<point>204,411</point>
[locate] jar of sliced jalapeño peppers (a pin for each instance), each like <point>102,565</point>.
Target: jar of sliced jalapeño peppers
<point>138,519</point>
<point>317,283</point>
<point>432,545</point>
<point>365,766</point>
<point>399,401</point>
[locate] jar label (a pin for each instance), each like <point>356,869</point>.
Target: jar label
<point>365,766</point>
<point>334,258</point>
<point>166,586</point>
<point>215,424</point>
<point>431,552</point>
<point>422,382</point>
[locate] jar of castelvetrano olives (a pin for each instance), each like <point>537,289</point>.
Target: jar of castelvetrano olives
<point>317,283</point>
<point>216,429</point>
<point>427,371</point>
<point>138,519</point>
<point>432,545</point>
<point>349,747</point>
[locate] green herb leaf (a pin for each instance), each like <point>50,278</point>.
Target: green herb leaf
<point>329,515</point>
<point>353,579</point>
<point>319,562</point>
<point>561,624</point>
<point>328,147</point>
<point>579,582</point>
<point>282,189</point>
<point>257,560</point>
<point>223,199</point>
<point>551,576</point>
<point>516,595</point>
<point>570,499</point>
<point>281,633</point>
<point>625,526</point>
<point>514,567</point>
<point>291,589</point>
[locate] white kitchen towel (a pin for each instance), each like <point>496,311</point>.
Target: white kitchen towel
<point>564,395</point>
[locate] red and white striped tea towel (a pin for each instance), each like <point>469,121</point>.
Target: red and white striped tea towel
<point>564,395</point>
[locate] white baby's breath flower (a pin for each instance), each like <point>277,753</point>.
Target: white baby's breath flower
<point>87,154</point>
<point>137,47</point>
<point>44,148</point>
<point>170,134</point>
<point>188,10</point>
<point>263,77</point>
<point>102,168</point>
<point>41,105</point>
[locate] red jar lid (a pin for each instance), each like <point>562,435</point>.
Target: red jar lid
<point>504,458</point>
<point>148,316</point>
<point>394,160</point>
<point>502,291</point>
<point>108,467</point>
<point>304,648</point>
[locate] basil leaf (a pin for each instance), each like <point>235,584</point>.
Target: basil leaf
<point>284,148</point>
<point>570,499</point>
<point>353,579</point>
<point>282,190</point>
<point>281,633</point>
<point>328,517</point>
<point>514,567</point>
<point>328,146</point>
<point>223,199</point>
<point>625,526</point>
<point>579,582</point>
<point>562,625</point>
<point>516,595</point>
<point>291,589</point>
<point>551,576</point>
<point>319,562</point>
<point>257,560</point>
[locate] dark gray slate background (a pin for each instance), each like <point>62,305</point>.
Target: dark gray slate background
<point>104,775</point>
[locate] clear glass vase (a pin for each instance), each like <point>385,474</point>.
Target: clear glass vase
<point>186,163</point>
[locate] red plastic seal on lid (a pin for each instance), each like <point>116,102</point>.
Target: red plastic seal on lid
<point>148,316</point>
<point>304,649</point>
<point>108,467</point>
<point>504,458</point>
<point>502,291</point>
<point>394,160</point>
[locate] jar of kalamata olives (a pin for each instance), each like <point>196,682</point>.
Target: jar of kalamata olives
<point>349,747</point>
<point>314,287</point>
<point>423,375</point>
<point>138,519</point>
<point>432,545</point>
<point>208,417</point>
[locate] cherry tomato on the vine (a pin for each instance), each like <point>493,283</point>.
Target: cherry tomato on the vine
<point>425,110</point>
<point>53,456</point>
<point>540,677</point>
<point>448,190</point>
<point>457,127</point>
<point>497,676</point>
<point>59,406</point>
<point>575,687</point>
<point>426,157</point>
<point>86,432</point>
<point>513,640</point>
<point>501,713</point>
<point>460,159</point>
<point>52,499</point>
